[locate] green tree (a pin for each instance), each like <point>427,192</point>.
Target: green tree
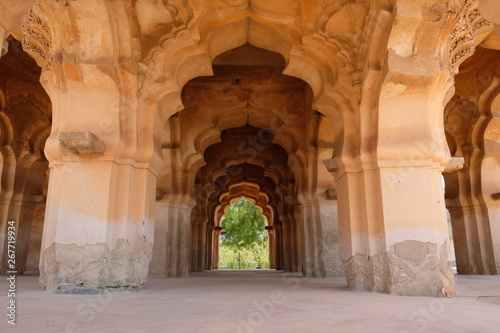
<point>245,244</point>
<point>244,225</point>
<point>232,258</point>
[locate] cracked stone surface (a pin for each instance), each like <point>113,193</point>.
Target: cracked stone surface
<point>82,143</point>
<point>80,269</point>
<point>408,269</point>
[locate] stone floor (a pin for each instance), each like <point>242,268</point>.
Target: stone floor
<point>253,301</point>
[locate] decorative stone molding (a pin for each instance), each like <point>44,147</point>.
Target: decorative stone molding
<point>342,24</point>
<point>162,20</point>
<point>82,143</point>
<point>37,38</point>
<point>468,24</point>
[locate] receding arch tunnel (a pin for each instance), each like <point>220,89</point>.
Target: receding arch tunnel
<point>163,105</point>
<point>252,129</point>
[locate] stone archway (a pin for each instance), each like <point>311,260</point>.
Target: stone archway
<point>25,114</point>
<point>379,72</point>
<point>364,167</point>
<point>252,101</point>
<point>470,191</point>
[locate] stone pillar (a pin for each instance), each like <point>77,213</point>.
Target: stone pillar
<point>99,220</point>
<point>33,259</point>
<point>412,152</point>
<point>313,260</point>
<point>271,246</point>
<point>286,239</point>
<point>416,233</point>
<point>463,238</point>
<point>470,222</point>
<point>297,240</point>
<point>352,229</point>
<point>22,206</point>
<point>7,172</point>
<point>99,226</point>
<point>98,231</point>
<point>490,185</point>
<point>322,246</point>
<point>291,233</point>
<point>392,218</point>
<point>198,244</point>
<point>172,240</point>
<point>330,242</point>
<point>209,246</point>
<point>278,230</point>
<point>216,247</point>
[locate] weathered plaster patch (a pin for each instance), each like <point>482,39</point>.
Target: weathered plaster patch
<point>82,143</point>
<point>391,89</point>
<point>411,250</point>
<point>80,269</point>
<point>410,268</point>
<point>330,246</point>
<point>356,272</point>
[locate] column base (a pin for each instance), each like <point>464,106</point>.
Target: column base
<point>92,268</point>
<point>410,268</point>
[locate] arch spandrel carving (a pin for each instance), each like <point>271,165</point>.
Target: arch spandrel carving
<point>37,38</point>
<point>343,23</point>
<point>160,20</point>
<point>469,26</point>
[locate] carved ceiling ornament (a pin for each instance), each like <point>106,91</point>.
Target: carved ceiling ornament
<point>342,23</point>
<point>468,24</point>
<point>37,38</point>
<point>341,18</point>
<point>161,20</point>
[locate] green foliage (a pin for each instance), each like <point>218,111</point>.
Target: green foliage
<point>244,225</point>
<point>232,258</point>
<point>245,244</point>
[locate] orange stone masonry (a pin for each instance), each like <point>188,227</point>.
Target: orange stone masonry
<point>357,127</point>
